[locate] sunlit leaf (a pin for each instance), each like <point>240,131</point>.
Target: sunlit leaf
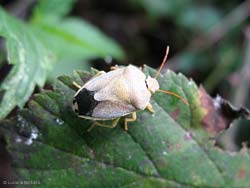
<point>31,59</point>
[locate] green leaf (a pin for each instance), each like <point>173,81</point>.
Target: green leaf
<point>52,8</point>
<point>184,12</point>
<point>190,18</point>
<point>72,38</point>
<point>171,148</point>
<point>33,49</point>
<point>31,59</point>
<point>65,67</point>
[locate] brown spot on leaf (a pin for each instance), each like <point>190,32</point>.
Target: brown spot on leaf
<point>175,114</point>
<point>241,173</point>
<point>219,112</point>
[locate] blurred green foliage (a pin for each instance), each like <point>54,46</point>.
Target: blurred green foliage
<point>186,13</point>
<point>49,39</point>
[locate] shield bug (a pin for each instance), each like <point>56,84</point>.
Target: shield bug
<point>117,93</point>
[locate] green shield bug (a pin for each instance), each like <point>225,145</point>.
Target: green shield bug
<point>117,93</point>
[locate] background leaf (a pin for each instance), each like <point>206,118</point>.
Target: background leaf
<point>36,48</point>
<point>31,60</point>
<point>185,13</point>
<point>170,148</point>
<point>72,38</point>
<point>52,8</point>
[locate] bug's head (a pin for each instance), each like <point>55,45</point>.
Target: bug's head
<point>152,84</point>
<point>75,106</point>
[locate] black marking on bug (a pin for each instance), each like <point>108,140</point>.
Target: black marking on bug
<point>86,102</point>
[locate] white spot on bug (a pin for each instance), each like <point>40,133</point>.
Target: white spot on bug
<point>108,59</point>
<point>165,153</point>
<point>33,136</point>
<point>59,121</point>
<point>217,102</point>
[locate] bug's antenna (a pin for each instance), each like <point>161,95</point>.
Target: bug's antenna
<point>174,94</point>
<point>164,91</point>
<point>163,62</point>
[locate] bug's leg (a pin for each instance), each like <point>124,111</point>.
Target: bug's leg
<point>91,127</point>
<point>113,125</point>
<point>129,120</point>
<point>76,85</point>
<point>150,108</point>
<point>114,67</point>
<point>99,74</point>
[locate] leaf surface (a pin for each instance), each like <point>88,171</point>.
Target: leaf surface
<point>171,148</point>
<point>30,58</point>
